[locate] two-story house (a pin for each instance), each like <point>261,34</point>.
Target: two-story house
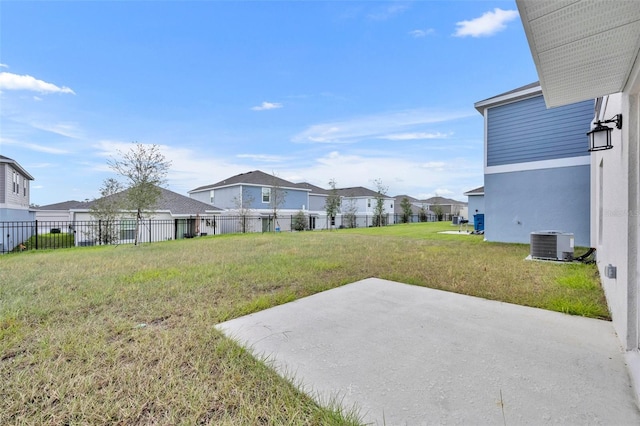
<point>14,203</point>
<point>536,166</point>
<point>256,193</point>
<point>358,207</point>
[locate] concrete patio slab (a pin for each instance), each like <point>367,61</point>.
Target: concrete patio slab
<point>408,355</point>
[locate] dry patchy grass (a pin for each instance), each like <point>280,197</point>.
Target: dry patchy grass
<point>125,334</point>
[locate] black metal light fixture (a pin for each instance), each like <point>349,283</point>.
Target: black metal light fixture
<point>600,137</point>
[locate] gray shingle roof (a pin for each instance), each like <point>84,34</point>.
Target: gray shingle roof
<point>169,201</point>
<point>358,191</point>
<point>476,191</point>
<point>444,201</point>
<point>15,164</point>
<point>65,205</point>
<point>256,177</point>
<point>314,189</point>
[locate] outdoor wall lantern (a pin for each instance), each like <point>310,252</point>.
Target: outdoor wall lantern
<point>600,136</point>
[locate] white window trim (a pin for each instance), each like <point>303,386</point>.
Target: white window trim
<point>267,191</point>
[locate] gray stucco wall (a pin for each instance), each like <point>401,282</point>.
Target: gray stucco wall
<point>519,203</point>
<point>16,215</point>
<point>476,202</point>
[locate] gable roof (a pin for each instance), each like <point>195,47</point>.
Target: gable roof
<point>314,189</point>
<point>256,177</point>
<point>15,164</point>
<point>409,197</point>
<point>65,205</point>
<point>170,201</point>
<point>444,201</point>
<point>476,191</point>
<point>180,204</point>
<point>358,191</point>
<point>527,91</point>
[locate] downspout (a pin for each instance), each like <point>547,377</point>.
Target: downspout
<point>632,131</point>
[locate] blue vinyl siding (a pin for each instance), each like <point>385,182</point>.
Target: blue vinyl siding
<point>293,200</point>
<point>527,131</point>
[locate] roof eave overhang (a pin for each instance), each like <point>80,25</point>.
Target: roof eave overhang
<point>530,92</point>
<point>582,49</point>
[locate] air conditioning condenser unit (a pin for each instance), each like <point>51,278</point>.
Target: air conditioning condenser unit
<point>552,245</point>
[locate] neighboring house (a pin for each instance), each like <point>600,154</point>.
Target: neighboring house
<point>418,207</point>
<point>579,61</point>
<point>475,203</point>
<point>536,166</point>
<point>60,212</point>
<point>256,193</point>
<point>174,216</point>
<point>14,203</point>
<point>448,206</point>
<point>317,205</point>
<point>361,202</point>
<point>14,191</point>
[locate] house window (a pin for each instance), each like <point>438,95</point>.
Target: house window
<point>24,187</point>
<point>15,182</point>
<point>128,229</point>
<point>211,196</point>
<point>369,202</point>
<point>266,195</point>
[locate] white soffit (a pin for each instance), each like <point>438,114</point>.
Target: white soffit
<point>582,49</point>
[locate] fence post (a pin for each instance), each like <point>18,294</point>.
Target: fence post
<point>149,229</point>
<point>36,235</point>
<point>175,229</point>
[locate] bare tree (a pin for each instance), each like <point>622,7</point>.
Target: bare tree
<point>332,203</point>
<point>145,169</point>
<point>422,214</point>
<point>107,209</point>
<point>349,210</point>
<point>437,208</point>
<point>243,204</point>
<point>277,198</point>
<point>378,210</point>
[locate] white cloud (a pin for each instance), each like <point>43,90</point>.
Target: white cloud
<point>267,106</point>
<point>422,33</point>
<point>403,175</point>
<point>414,136</point>
<point>435,165</point>
<point>37,99</point>
<point>265,158</point>
<point>10,81</point>
<point>69,130</point>
<point>486,25</point>
<point>377,126</point>
<point>442,192</point>
<point>4,66</point>
<point>33,146</point>
<point>387,12</point>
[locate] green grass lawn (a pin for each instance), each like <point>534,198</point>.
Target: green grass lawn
<point>125,334</point>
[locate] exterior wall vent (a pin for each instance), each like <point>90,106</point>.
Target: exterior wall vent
<point>552,245</point>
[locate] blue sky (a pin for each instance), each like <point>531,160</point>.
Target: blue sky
<point>350,90</point>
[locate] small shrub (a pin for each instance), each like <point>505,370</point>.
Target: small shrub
<point>299,222</point>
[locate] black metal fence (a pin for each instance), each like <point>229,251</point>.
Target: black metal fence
<point>38,235</point>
